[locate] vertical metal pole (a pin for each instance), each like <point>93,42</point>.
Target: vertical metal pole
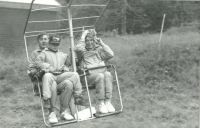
<point>72,38</point>
<point>26,48</point>
<point>163,21</point>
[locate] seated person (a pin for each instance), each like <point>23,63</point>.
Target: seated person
<point>33,69</point>
<point>92,52</point>
<point>56,65</point>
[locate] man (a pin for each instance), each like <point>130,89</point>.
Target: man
<point>92,52</point>
<point>33,69</point>
<point>56,65</point>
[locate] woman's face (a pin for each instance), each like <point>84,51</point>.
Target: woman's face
<point>90,44</point>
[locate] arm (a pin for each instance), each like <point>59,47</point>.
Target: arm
<point>105,51</point>
<point>42,64</point>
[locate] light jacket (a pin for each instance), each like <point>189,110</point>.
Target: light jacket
<point>58,60</point>
<point>92,58</point>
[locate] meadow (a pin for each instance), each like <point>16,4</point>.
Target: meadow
<point>160,88</point>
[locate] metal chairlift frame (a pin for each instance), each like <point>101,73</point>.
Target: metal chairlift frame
<point>71,31</point>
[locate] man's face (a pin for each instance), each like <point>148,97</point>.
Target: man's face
<point>53,45</point>
<point>43,41</point>
<point>90,44</point>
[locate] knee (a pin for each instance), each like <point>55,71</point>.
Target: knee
<point>100,77</point>
<point>108,74</point>
<point>47,76</point>
<point>75,74</point>
<point>68,85</point>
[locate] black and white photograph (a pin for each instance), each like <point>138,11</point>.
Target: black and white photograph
<point>99,63</point>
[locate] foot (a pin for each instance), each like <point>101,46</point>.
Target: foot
<point>67,116</point>
<point>109,106</point>
<point>53,118</point>
<point>102,107</point>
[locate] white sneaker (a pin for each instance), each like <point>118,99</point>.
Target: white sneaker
<point>53,118</point>
<point>109,106</point>
<point>102,107</point>
<point>67,116</point>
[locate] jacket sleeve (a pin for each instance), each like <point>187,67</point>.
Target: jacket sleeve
<point>32,63</point>
<point>68,61</point>
<point>41,61</point>
<point>105,52</point>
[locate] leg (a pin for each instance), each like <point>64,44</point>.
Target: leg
<point>53,89</point>
<point>75,80</point>
<point>47,81</point>
<point>108,89</point>
<point>108,85</point>
<point>66,89</point>
<point>98,80</point>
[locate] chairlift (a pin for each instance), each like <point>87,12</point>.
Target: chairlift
<point>71,31</point>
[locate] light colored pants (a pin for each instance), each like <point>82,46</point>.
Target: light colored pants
<point>68,83</point>
<point>103,84</point>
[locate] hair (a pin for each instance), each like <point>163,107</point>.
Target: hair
<point>41,35</point>
<point>52,36</point>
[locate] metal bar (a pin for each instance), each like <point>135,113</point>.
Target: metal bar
<point>28,16</point>
<point>106,66</point>
<point>40,94</point>
<point>57,29</point>
<point>87,5</point>
<point>101,14</point>
<point>86,84</point>
<point>46,8</point>
<point>107,114</point>
<point>26,49</point>
<point>120,98</point>
<point>72,39</point>
<point>95,5</point>
<point>54,33</point>
<point>45,21</point>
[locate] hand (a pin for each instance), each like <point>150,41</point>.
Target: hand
<point>84,34</point>
<point>51,69</point>
<point>99,41</point>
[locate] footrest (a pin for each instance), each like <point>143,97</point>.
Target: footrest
<point>99,115</point>
<point>63,123</point>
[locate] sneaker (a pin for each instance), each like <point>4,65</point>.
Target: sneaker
<point>53,118</point>
<point>67,116</point>
<point>109,106</point>
<point>102,107</point>
<point>46,103</point>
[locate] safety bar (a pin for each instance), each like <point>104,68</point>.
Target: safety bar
<point>58,29</point>
<point>45,21</point>
<point>93,68</point>
<point>107,114</point>
<point>82,5</point>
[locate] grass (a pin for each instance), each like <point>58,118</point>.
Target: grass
<point>159,88</point>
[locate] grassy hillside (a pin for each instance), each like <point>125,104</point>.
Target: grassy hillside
<point>159,88</point>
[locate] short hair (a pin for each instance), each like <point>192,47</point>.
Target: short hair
<point>54,37</point>
<point>41,35</point>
